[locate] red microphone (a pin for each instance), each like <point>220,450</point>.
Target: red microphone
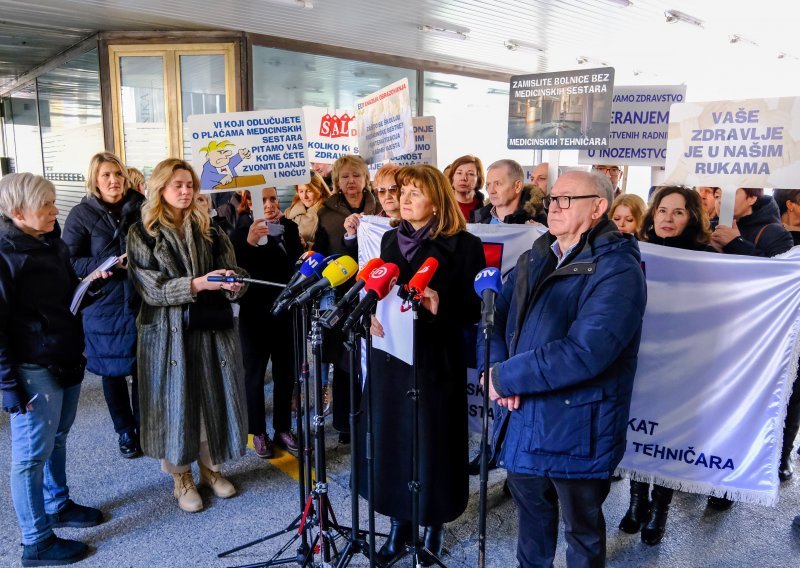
<point>378,285</point>
<point>419,282</point>
<point>331,317</point>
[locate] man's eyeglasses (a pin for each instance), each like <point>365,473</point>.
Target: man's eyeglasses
<point>564,201</point>
<point>392,190</point>
<point>613,170</point>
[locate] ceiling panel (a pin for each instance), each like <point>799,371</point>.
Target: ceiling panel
<point>636,40</point>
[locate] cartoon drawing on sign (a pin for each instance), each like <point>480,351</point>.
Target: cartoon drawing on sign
<point>220,166</point>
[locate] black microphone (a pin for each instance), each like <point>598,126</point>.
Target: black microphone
<point>487,286</point>
<point>378,285</point>
<point>311,271</point>
<point>338,271</point>
<point>332,316</point>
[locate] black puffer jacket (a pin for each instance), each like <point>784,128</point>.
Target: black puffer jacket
<point>93,233</point>
<point>762,232</point>
<point>36,287</point>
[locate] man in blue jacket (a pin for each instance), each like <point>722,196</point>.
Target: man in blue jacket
<point>563,355</point>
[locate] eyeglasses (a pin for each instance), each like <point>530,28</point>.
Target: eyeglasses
<point>383,190</point>
<point>564,201</point>
<point>613,170</point>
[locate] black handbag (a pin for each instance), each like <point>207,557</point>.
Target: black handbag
<point>68,374</point>
<point>212,311</point>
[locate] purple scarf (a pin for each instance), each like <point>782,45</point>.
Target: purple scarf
<point>410,240</point>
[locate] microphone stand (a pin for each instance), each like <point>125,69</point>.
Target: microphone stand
<point>306,520</point>
<point>415,485</point>
<point>488,325</point>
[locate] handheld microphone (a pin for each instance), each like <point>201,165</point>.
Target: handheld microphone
<point>310,271</point>
<point>338,271</point>
<point>419,282</point>
<point>488,285</point>
<point>331,317</point>
<point>378,285</point>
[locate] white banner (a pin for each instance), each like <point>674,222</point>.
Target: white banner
<point>424,146</point>
<point>330,136</point>
<point>717,360</point>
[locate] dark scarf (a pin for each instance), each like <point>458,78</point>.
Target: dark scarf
<point>410,240</point>
<point>688,240</point>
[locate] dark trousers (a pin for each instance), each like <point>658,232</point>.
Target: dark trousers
<point>581,501</point>
<point>122,406</point>
<point>263,340</point>
<point>792,424</point>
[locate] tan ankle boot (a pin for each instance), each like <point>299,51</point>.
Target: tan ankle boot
<point>186,493</point>
<point>218,484</point>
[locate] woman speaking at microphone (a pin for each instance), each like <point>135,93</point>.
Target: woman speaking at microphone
<point>431,226</point>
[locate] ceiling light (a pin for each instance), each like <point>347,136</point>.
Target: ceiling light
<point>784,55</point>
<point>493,91</point>
<point>583,60</point>
<point>673,16</point>
<point>514,45</point>
<point>441,84</point>
<point>443,32</point>
<point>621,3</point>
<point>307,4</point>
<point>736,38</point>
<point>433,101</point>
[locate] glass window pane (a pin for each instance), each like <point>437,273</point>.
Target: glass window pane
<point>72,126</point>
<point>144,126</point>
<point>288,79</point>
<point>471,118</point>
<point>25,124</point>
<point>202,89</point>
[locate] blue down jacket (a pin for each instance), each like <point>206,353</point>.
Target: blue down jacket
<point>93,234</point>
<point>566,340</point>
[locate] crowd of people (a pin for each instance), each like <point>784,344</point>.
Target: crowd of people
<point>182,358</point>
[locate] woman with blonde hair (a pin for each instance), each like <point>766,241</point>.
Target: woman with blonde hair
<point>308,198</point>
<point>95,230</point>
<point>190,363</point>
<point>137,182</point>
<point>628,212</point>
<point>431,226</point>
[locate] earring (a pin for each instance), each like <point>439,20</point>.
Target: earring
<point>434,212</point>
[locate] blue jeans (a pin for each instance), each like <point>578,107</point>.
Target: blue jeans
<point>38,451</point>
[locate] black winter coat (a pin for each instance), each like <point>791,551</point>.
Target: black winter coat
<point>442,383</point>
<point>330,230</point>
<point>764,226</point>
<point>36,287</point>
<point>93,233</point>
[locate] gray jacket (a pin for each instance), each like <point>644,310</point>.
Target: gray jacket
<point>184,376</point>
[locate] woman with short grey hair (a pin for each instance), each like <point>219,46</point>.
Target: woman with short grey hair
<point>41,368</point>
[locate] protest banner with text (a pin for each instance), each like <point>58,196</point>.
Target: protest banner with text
<point>383,120</point>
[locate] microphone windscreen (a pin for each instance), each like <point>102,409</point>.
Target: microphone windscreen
<point>422,278</point>
<point>311,263</point>
<point>340,270</point>
<point>382,279</point>
<point>488,279</point>
<point>368,268</point>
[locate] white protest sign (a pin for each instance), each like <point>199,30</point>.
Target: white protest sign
<point>560,111</point>
<point>732,144</point>
<point>330,136</point>
<point>385,130</point>
<point>239,150</point>
<point>639,120</point>
<point>424,146</point>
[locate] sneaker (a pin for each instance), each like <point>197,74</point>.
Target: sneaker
<point>54,551</point>
<point>74,515</point>
<point>129,445</point>
<point>288,441</point>
<point>263,446</point>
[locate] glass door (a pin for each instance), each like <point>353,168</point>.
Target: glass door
<point>155,88</point>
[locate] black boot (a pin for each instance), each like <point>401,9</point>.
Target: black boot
<point>790,428</point>
<point>399,536</point>
<point>54,551</point>
<point>653,531</point>
<point>639,508</point>
<point>434,539</point>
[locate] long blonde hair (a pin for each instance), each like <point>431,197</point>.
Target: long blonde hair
<point>94,169</point>
<point>318,187</point>
<point>437,188</point>
<point>156,213</point>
